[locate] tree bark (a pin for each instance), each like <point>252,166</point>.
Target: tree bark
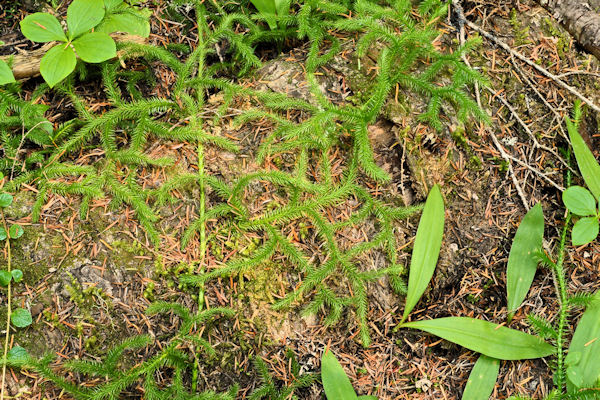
<point>28,65</point>
<point>580,18</point>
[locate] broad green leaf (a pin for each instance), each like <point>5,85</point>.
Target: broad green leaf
<point>42,27</point>
<point>588,166</point>
<point>282,7</point>
<point>5,277</point>
<point>135,24</point>
<point>83,15</point>
<point>15,231</point>
<point>484,337</point>
<point>6,75</point>
<point>426,249</point>
<point>3,234</point>
<point>584,231</point>
<point>583,359</point>
<point>579,201</point>
<point>268,10</point>
<point>482,379</point>
<point>5,200</point>
<point>17,356</point>
<point>17,275</point>
<point>95,47</point>
<point>522,260</point>
<point>21,318</point>
<point>110,5</point>
<point>336,384</point>
<point>57,64</point>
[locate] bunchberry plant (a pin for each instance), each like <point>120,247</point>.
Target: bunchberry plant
<point>91,47</point>
<point>95,46</point>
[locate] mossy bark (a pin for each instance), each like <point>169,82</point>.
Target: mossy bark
<point>580,18</point>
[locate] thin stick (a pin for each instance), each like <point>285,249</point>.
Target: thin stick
<point>537,172</point>
<point>510,169</point>
<point>526,128</point>
<point>544,71</point>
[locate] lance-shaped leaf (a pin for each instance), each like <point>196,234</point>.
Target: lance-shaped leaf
<point>583,359</point>
<point>426,249</point>
<point>268,9</point>
<point>336,384</point>
<point>482,379</point>
<point>588,166</point>
<point>522,260</point>
<point>484,337</point>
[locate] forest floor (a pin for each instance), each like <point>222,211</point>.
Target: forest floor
<point>89,281</point>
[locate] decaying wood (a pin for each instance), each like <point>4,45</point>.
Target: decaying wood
<point>28,65</point>
<point>580,18</point>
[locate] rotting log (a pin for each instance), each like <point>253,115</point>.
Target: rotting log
<point>28,65</point>
<point>580,18</point>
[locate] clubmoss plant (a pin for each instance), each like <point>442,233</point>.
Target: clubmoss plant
<point>113,379</point>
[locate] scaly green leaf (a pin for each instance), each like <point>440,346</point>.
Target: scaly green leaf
<point>57,64</point>
<point>336,384</point>
<point>6,75</point>
<point>83,15</point>
<point>42,27</point>
<point>95,47</point>
<point>584,231</point>
<point>484,337</point>
<point>583,359</point>
<point>426,249</point>
<point>482,379</point>
<point>588,166</point>
<point>522,260</point>
<point>579,201</point>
